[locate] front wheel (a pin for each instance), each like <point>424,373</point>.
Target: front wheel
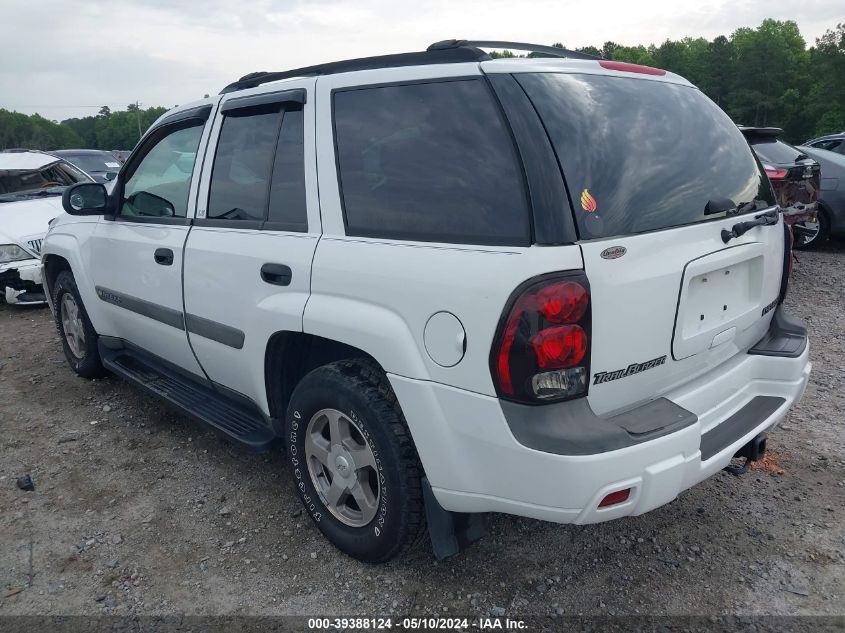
<point>79,339</point>
<point>353,462</point>
<point>811,234</point>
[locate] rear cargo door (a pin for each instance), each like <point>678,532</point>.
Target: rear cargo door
<point>656,172</point>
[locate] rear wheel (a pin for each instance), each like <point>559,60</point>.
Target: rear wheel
<point>353,462</point>
<point>79,340</point>
<point>812,234</point>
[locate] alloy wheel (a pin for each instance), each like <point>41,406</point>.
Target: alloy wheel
<point>342,467</point>
<point>72,326</point>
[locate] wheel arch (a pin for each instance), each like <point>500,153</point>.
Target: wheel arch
<point>289,356</point>
<point>824,208</point>
<point>63,250</point>
<point>53,264</point>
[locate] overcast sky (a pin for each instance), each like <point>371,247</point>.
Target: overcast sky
<point>65,58</point>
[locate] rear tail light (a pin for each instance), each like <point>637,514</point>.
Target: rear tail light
<point>774,173</point>
<point>542,348</point>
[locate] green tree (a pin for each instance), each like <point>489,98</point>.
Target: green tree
<point>33,132</point>
<point>827,94</point>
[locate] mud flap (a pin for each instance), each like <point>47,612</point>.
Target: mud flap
<point>451,532</point>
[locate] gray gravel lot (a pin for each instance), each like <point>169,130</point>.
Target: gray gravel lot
<point>138,511</point>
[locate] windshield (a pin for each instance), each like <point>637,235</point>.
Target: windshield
<point>93,162</point>
<point>641,155</point>
<point>50,180</point>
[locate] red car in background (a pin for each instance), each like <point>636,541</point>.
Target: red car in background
<point>795,177</point>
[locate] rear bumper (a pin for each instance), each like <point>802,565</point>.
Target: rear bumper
<point>476,464</point>
<point>20,282</point>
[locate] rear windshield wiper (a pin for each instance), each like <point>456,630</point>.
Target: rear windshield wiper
<point>741,228</point>
<point>716,206</point>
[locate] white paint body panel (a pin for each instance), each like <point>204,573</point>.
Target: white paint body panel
<point>122,260</point>
<point>223,283</point>
<point>387,314</point>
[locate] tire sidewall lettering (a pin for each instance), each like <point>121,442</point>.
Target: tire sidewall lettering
<point>380,521</point>
<point>310,500</point>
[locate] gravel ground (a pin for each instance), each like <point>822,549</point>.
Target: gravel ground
<point>137,511</point>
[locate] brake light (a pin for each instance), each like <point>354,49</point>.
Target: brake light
<point>560,347</point>
<point>541,351</point>
<point>774,173</point>
<point>630,68</point>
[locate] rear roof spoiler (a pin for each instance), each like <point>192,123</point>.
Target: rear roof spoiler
<point>774,132</point>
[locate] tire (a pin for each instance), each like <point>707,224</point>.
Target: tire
<point>819,238</point>
<point>358,398</point>
<point>80,349</point>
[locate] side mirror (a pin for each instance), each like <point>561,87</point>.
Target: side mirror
<point>110,175</point>
<point>85,198</point>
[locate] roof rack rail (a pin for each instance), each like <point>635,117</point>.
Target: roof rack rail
<point>445,52</point>
<point>449,55</point>
<point>552,51</point>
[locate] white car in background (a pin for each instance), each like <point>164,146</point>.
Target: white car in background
<point>31,187</point>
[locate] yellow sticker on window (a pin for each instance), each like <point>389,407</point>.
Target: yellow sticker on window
<point>588,203</point>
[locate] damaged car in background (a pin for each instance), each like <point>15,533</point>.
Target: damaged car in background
<point>31,187</point>
<point>795,178</point>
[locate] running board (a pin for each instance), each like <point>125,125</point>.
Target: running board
<point>242,425</point>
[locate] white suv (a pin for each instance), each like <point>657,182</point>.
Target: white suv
<point>447,285</point>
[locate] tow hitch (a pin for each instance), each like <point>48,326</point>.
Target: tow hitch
<point>753,451</point>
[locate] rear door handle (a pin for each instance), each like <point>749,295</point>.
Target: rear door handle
<point>276,274</point>
<point>164,256</point>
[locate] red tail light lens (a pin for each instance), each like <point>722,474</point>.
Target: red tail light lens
<point>541,352</point>
<point>560,347</point>
<point>563,302</point>
<point>774,173</point>
<point>615,497</point>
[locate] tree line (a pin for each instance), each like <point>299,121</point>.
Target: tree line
<point>107,130</point>
<point>764,76</point>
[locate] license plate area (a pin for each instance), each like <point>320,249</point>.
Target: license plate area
<point>720,292</point>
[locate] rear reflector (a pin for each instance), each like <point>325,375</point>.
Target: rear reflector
<point>630,68</point>
<point>615,497</point>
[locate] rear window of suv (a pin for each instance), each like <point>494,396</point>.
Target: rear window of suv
<point>777,152</point>
<point>641,155</point>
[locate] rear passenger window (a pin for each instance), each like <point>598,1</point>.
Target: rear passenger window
<point>287,210</point>
<point>241,173</point>
<point>259,169</point>
<point>429,162</point>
